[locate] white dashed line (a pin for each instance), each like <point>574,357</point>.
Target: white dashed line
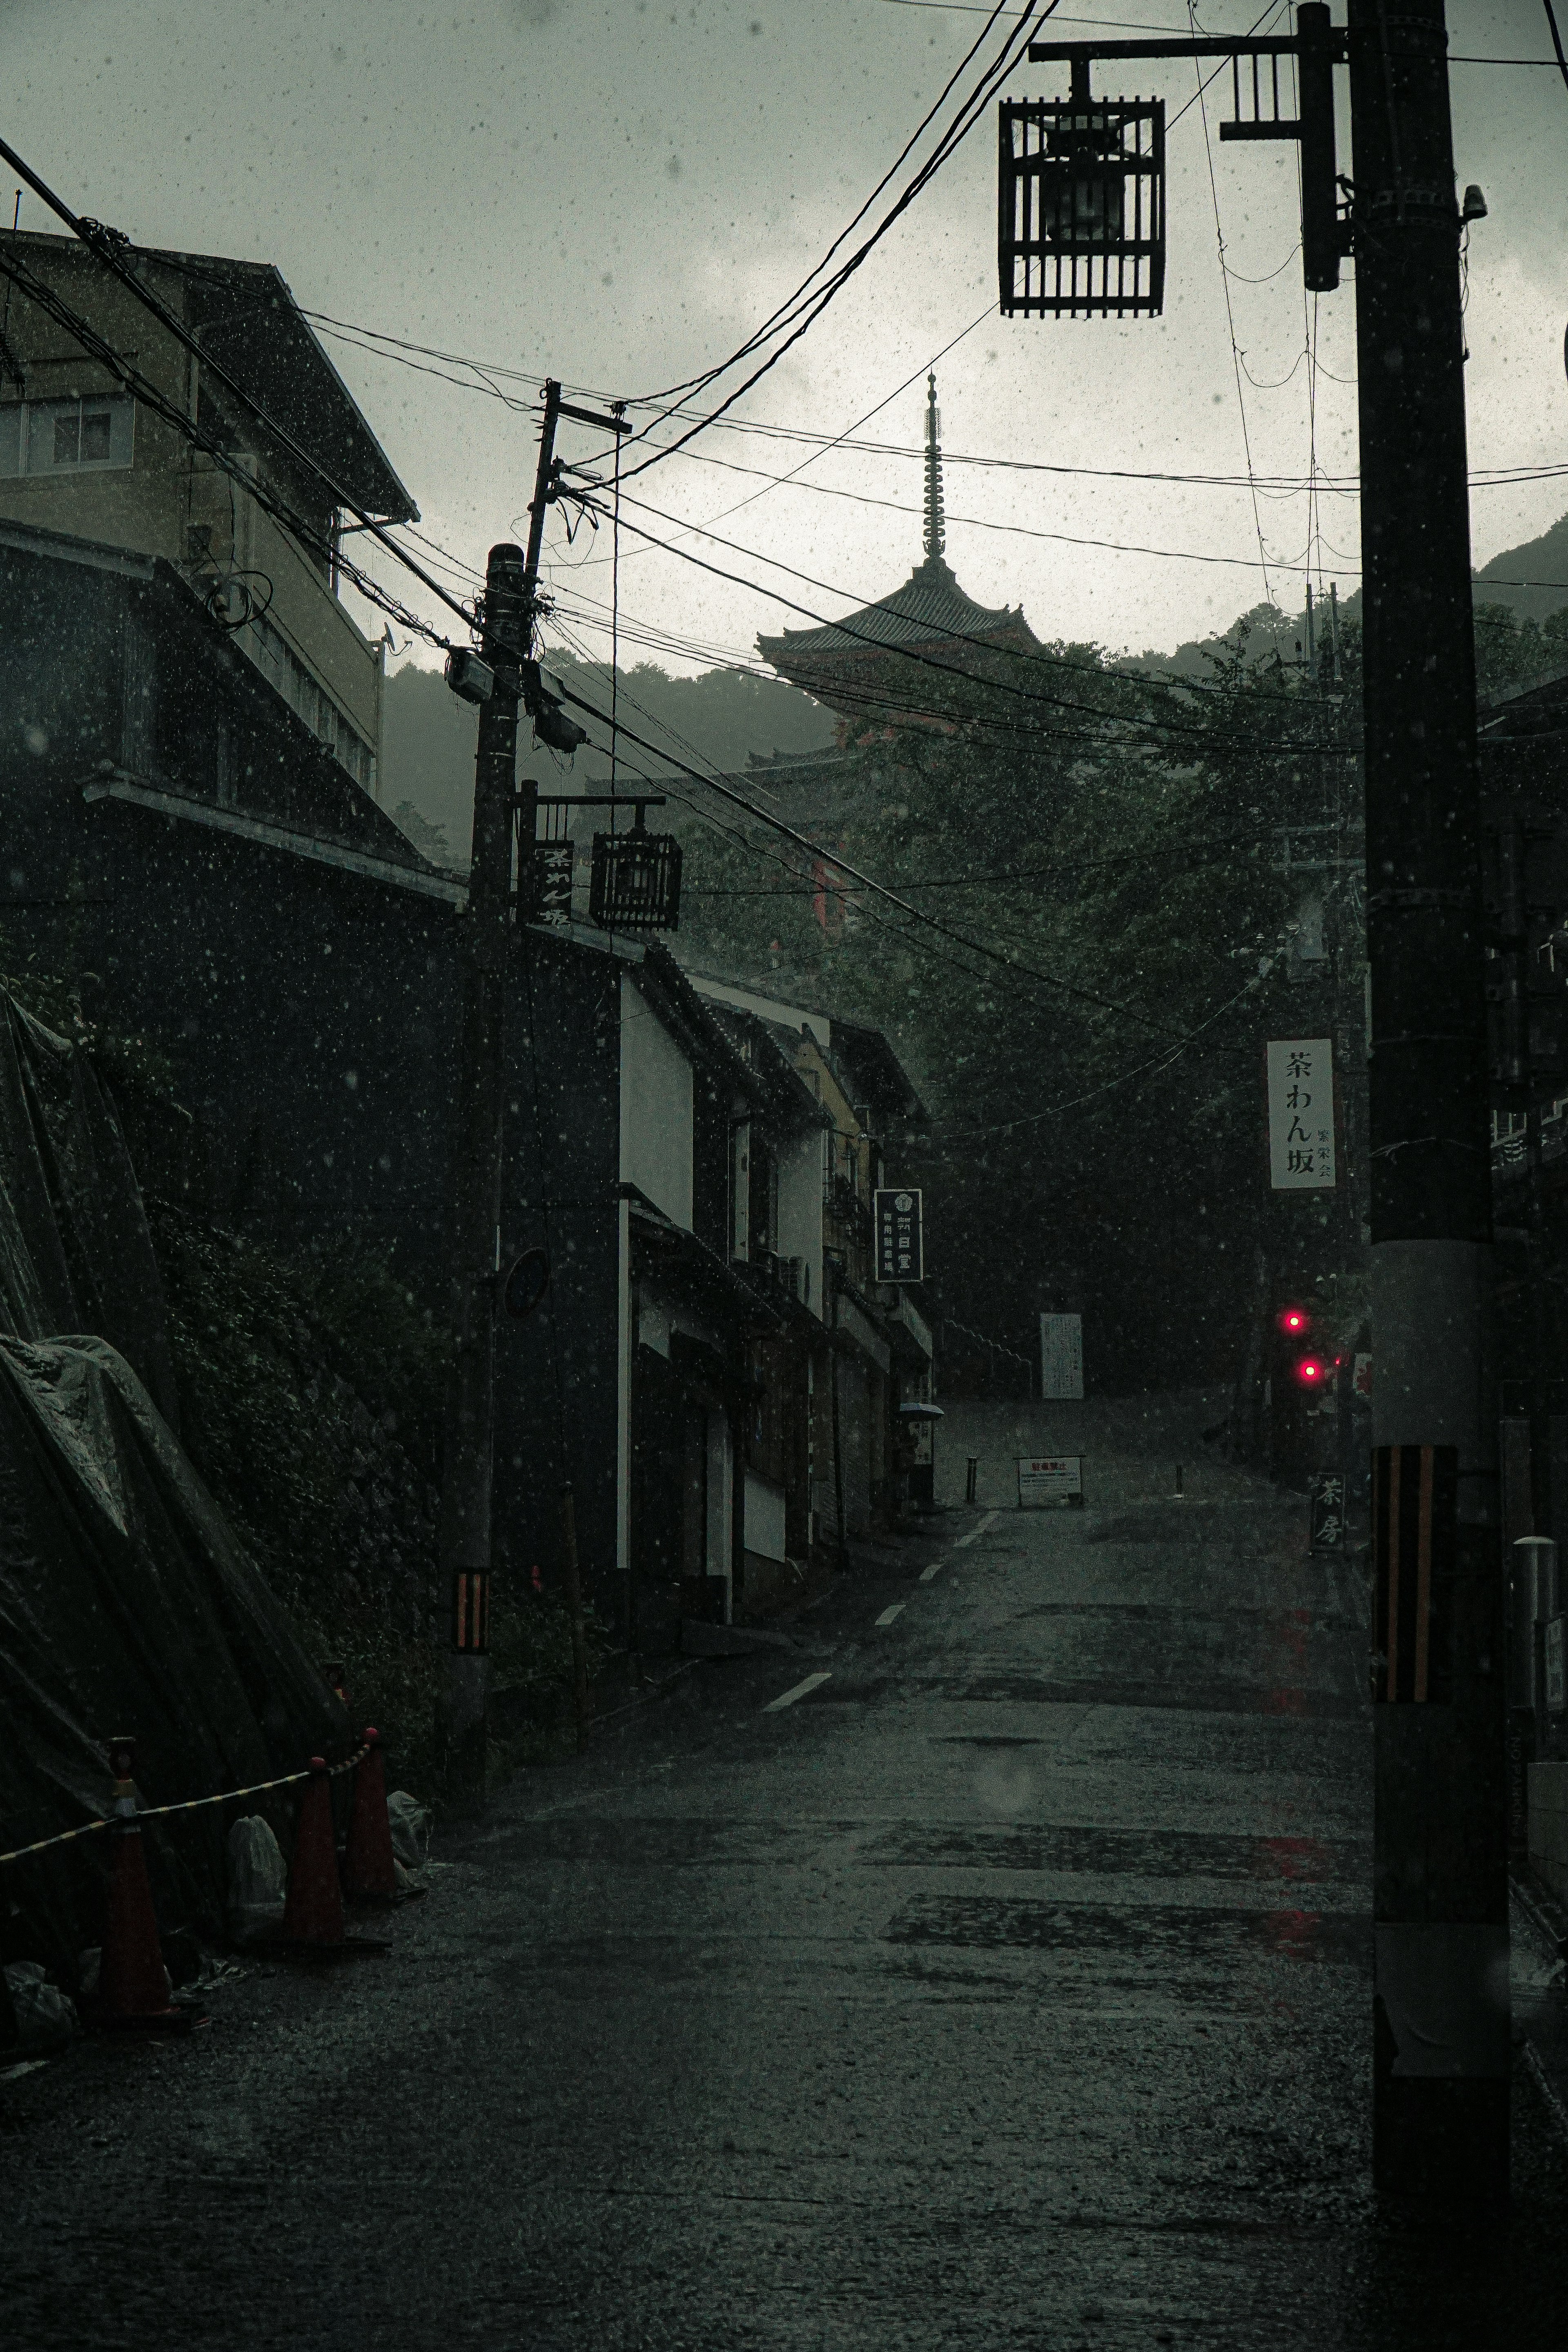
<point>887,1615</point>
<point>976,1533</point>
<point>927,1574</point>
<point>799,1691</point>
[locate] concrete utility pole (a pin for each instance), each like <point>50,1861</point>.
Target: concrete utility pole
<point>1440,2115</point>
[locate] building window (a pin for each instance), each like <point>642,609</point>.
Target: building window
<point>279,665</point>
<point>90,432</point>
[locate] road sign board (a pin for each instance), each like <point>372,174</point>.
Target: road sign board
<point>1050,1482</point>
<point>1300,1114</point>
<point>900,1242</point>
<point>1061,1356</point>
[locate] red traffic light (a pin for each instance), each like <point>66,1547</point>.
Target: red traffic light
<point>1311,1371</point>
<point>1294,1319</point>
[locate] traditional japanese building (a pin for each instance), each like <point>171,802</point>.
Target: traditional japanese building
<point>894,659</point>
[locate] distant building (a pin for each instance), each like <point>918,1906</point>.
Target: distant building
<point>80,456</point>
<point>892,661</point>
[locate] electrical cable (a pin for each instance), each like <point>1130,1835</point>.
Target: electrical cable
<point>784,309</point>
<point>928,661</point>
<point>1236,361</point>
<point>1556,39</point>
<point>307,534</point>
<point>110,248</point>
<point>818,302</point>
<point>868,882</point>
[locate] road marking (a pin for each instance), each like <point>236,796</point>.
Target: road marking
<point>976,1533</point>
<point>799,1691</point>
<point>927,1574</point>
<point>887,1615</point>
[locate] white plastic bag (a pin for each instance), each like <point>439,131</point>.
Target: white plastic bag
<point>410,1824</point>
<point>257,1881</point>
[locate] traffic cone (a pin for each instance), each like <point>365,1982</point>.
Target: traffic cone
<point>133,1988</point>
<point>370,1868</point>
<point>313,1913</point>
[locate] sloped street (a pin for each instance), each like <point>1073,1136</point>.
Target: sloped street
<point>1008,1986</point>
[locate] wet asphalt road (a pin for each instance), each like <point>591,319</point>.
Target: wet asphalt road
<point>1006,1989</point>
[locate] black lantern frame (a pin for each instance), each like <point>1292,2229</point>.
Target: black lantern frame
<point>1082,206</point>
<point>635,882</point>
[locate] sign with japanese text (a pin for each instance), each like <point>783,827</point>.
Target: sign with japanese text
<point>1328,1511</point>
<point>1300,1114</point>
<point>1556,1694</point>
<point>901,1245</point>
<point>1050,1482</point>
<point>1061,1356</point>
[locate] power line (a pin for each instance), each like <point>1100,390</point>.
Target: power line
<point>927,661</point>
<point>110,250</point>
<point>784,309</point>
<point>308,534</point>
<point>813,307</point>
<point>869,882</point>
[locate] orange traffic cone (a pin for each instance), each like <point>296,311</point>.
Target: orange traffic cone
<point>313,1913</point>
<point>132,1988</point>
<point>370,1867</point>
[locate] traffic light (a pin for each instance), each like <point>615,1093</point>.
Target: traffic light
<point>1306,1366</point>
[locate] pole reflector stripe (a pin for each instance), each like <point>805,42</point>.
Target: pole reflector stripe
<point>1414,1526</point>
<point>471,1612</point>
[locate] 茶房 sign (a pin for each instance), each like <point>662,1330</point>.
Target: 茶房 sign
<point>1047,1482</point>
<point>1300,1114</point>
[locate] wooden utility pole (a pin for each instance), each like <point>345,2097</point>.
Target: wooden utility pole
<point>1440,2099</point>
<point>497,940</point>
<point>475,1236</point>
<point>1082,229</point>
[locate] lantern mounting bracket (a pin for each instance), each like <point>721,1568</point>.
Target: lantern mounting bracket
<point>1081,225</point>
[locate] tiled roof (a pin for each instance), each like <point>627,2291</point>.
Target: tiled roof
<point>930,609</point>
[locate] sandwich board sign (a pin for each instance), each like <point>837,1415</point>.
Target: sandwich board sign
<point>1048,1482</point>
<point>1300,1114</point>
<point>1061,1358</point>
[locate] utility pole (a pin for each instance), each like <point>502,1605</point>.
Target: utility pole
<point>1081,229</point>
<point>503,675</point>
<point>475,1237</point>
<point>1441,2056</point>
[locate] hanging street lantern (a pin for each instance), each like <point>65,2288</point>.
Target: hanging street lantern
<point>1081,208</point>
<point>635,882</point>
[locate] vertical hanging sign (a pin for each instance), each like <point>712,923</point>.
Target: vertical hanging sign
<point>1061,1358</point>
<point>901,1245</point>
<point>1300,1114</point>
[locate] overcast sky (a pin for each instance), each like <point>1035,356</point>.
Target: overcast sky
<point>617,194</point>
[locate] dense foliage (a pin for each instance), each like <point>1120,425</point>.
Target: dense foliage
<point>1105,853</point>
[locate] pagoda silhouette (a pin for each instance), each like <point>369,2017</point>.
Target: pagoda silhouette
<point>892,662</point>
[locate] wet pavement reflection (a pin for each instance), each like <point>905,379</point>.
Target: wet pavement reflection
<point>1009,1988</point>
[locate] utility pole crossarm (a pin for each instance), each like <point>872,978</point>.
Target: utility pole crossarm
<point>1216,44</point>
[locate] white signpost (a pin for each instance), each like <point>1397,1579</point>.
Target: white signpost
<point>1050,1482</point>
<point>1061,1358</point>
<point>1300,1114</point>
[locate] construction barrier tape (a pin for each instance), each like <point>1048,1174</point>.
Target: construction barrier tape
<point>191,1805</point>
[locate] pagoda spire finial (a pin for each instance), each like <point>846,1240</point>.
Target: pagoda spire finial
<point>936,520</point>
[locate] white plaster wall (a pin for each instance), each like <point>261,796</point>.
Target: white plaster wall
<point>800,1210</point>
<point>765,1518</point>
<point>656,1108</point>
